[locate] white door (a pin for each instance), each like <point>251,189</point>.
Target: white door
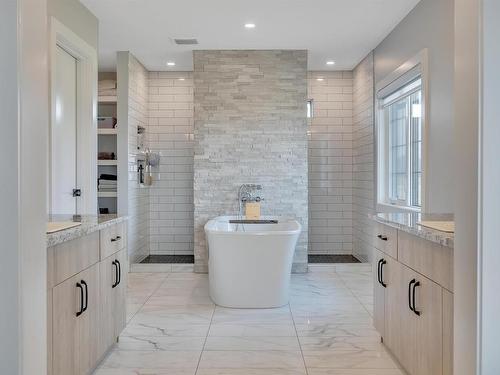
<point>63,140</point>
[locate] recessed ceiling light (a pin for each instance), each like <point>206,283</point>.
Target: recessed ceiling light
<point>250,25</point>
<point>330,63</point>
<point>320,79</point>
<point>170,63</point>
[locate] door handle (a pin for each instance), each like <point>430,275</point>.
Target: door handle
<point>116,274</point>
<point>417,283</point>
<point>383,261</point>
<point>78,313</point>
<point>77,192</point>
<point>86,295</point>
<point>119,272</point>
<point>410,294</point>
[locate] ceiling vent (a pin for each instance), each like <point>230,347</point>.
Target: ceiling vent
<point>186,41</point>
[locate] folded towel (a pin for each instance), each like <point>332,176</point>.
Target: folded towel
<point>106,176</point>
<point>107,84</point>
<point>107,183</point>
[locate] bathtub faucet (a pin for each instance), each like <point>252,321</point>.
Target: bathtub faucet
<point>245,195</point>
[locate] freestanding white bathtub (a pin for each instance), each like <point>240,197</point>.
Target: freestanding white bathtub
<point>249,265</point>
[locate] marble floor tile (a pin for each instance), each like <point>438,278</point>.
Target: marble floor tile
<point>289,343</point>
<point>252,329</point>
<point>187,360</point>
<point>175,329</point>
<point>323,371</point>
<point>252,359</point>
<point>161,343</point>
<point>361,359</point>
<point>251,371</point>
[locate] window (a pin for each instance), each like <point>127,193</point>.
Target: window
<point>400,144</point>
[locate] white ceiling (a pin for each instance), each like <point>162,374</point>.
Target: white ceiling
<point>340,30</point>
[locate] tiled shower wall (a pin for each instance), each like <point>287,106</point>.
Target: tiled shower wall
<point>340,161</point>
<point>170,133</point>
<point>363,158</point>
<point>330,163</point>
<point>138,197</point>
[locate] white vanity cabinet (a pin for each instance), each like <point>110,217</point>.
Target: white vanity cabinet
<point>86,300</point>
<point>413,301</point>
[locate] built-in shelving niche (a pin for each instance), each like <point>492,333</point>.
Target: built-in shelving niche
<point>107,135</point>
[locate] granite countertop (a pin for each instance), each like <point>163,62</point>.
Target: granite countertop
<point>90,223</point>
<point>407,222</point>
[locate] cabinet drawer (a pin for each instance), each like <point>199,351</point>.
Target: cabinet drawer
<point>428,258</point>
<point>386,239</point>
<point>113,239</point>
<point>69,258</point>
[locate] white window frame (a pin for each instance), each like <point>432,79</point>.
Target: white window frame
<point>409,71</point>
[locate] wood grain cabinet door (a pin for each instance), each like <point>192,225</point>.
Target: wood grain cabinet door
<point>68,300</point>
<point>88,322</point>
<point>120,308</point>
<point>108,278</point>
<point>429,303</point>
<point>379,290</point>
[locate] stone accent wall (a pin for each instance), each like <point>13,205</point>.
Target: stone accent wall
<point>171,134</point>
<point>250,127</point>
<point>330,163</point>
<point>363,162</point>
<point>138,197</point>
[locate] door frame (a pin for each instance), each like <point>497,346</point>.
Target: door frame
<point>86,113</point>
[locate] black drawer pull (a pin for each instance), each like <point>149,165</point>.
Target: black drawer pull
<point>115,266</point>
<point>86,295</point>
<point>78,313</point>
<point>378,271</point>
<point>382,262</point>
<point>113,240</point>
<point>382,237</point>
<point>118,237</point>
<point>417,283</point>
<point>409,294</point>
<point>119,272</point>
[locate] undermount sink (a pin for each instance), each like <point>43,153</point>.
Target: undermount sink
<point>56,226</point>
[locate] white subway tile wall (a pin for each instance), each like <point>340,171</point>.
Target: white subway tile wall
<point>340,161</point>
<point>138,202</point>
<point>363,162</point>
<point>331,163</point>
<point>170,133</point>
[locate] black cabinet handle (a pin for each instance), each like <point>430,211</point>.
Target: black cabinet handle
<point>115,265</point>
<point>382,262</point>
<point>417,283</point>
<point>409,294</point>
<point>378,271</point>
<point>78,313</point>
<point>113,239</point>
<point>382,237</point>
<point>118,237</point>
<point>119,272</point>
<point>86,295</point>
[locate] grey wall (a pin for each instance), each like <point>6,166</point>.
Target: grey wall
<point>429,25</point>
<point>77,17</point>
<point>363,176</point>
<point>9,316</point>
<point>250,127</point>
<point>490,308</point>
<point>466,163</point>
